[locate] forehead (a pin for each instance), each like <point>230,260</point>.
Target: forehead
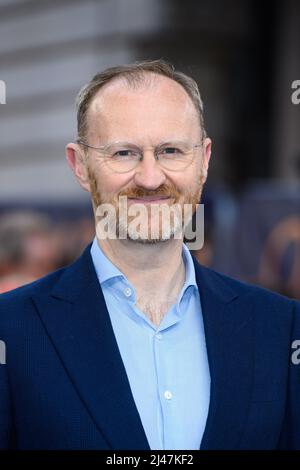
<point>144,108</point>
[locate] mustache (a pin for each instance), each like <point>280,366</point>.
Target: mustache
<point>164,190</point>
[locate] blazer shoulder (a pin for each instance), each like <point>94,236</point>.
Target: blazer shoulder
<point>20,295</point>
<point>247,290</point>
<point>15,302</point>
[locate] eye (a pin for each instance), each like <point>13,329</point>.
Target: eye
<point>171,151</point>
<point>125,153</point>
<point>122,153</point>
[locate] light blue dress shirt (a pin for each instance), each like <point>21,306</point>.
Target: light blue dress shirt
<point>167,366</point>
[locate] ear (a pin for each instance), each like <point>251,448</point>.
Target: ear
<point>206,157</point>
<point>77,162</point>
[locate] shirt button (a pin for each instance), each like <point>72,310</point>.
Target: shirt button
<point>168,395</point>
<point>159,336</point>
<point>127,291</point>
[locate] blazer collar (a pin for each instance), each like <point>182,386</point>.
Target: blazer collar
<point>77,321</point>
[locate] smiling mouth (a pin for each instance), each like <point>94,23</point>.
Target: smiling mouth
<point>149,199</point>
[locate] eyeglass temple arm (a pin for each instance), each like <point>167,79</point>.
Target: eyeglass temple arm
<point>87,145</point>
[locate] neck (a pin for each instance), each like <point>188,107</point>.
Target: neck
<point>156,271</point>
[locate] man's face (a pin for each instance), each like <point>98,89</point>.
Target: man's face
<point>147,115</point>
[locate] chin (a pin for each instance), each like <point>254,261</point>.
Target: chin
<point>145,239</point>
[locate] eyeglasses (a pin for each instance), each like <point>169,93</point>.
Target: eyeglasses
<point>122,157</point>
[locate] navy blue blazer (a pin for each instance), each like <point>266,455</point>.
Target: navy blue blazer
<point>64,385</point>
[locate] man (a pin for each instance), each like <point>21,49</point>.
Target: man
<point>135,345</point>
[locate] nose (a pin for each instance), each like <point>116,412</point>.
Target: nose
<point>148,173</point>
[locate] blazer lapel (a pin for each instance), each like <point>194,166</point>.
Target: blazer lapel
<point>77,321</point>
<point>229,338</point>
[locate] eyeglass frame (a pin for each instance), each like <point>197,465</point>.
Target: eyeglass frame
<point>103,147</point>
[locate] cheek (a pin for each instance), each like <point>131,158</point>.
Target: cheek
<point>197,176</point>
<point>110,183</point>
<point>189,181</point>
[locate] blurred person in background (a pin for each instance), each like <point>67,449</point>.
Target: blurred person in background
<point>136,345</point>
<point>27,249</point>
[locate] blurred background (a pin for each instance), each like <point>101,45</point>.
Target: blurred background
<point>244,54</point>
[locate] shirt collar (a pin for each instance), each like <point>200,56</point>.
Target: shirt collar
<point>190,277</point>
<point>106,270</point>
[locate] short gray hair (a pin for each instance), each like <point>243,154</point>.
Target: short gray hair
<point>133,74</point>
